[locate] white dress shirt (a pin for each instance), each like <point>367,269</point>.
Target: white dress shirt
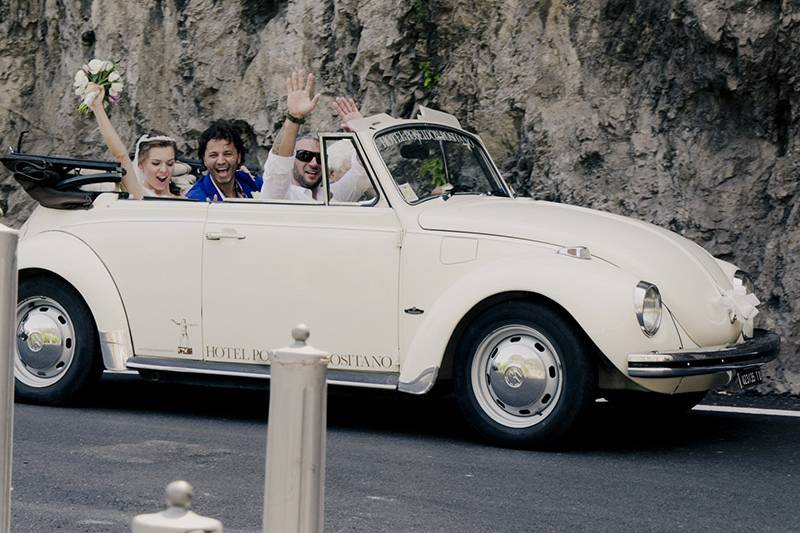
<point>279,182</point>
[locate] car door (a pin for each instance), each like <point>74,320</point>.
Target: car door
<point>271,264</point>
<point>152,248</point>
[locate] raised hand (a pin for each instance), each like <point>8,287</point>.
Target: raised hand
<point>95,102</point>
<point>347,110</point>
<point>300,98</point>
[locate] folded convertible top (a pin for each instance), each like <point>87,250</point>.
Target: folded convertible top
<point>56,181</point>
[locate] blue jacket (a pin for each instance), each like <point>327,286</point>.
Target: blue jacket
<point>204,189</point>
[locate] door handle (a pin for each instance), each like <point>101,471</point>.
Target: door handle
<point>217,235</point>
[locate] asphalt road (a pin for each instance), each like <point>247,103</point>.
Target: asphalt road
<point>397,463</point>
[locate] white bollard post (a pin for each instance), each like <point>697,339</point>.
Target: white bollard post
<point>294,487</point>
<point>8,313</point>
<point>177,518</point>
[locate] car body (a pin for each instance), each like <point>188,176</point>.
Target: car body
<point>531,309</point>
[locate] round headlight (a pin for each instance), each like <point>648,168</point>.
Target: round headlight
<point>743,279</point>
<point>647,302</point>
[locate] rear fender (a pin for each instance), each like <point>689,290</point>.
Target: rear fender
<point>64,255</point>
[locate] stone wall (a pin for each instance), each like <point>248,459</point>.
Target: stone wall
<point>678,112</point>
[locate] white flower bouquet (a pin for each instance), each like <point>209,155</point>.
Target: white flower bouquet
<point>103,73</point>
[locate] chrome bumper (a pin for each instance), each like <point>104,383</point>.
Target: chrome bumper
<point>763,347</point>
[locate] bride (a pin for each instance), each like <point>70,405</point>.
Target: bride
<point>150,172</point>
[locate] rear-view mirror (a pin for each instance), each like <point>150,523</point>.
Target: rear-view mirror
<point>415,150</point>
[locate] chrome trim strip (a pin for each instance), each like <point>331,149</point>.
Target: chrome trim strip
<point>360,385</point>
<point>350,378</point>
<point>126,372</point>
<point>639,293</point>
<point>135,365</point>
<point>380,380</point>
<point>422,383</point>
<point>762,348</point>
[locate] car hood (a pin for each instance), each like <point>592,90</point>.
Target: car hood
<point>691,282</point>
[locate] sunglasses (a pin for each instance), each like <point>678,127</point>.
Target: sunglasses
<point>307,155</point>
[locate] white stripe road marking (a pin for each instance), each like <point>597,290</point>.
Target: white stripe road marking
<point>741,410</point>
<point>747,410</point>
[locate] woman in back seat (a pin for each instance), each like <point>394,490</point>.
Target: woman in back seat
<point>150,172</point>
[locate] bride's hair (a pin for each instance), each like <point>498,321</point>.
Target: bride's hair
<point>149,141</point>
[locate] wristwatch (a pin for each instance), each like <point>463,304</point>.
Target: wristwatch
<point>292,118</point>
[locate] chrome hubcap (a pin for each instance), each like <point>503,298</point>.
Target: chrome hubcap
<point>517,376</point>
<point>45,342</point>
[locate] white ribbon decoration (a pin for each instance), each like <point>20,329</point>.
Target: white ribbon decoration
<point>744,305</point>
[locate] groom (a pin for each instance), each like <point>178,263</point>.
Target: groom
<point>222,151</point>
<point>293,169</point>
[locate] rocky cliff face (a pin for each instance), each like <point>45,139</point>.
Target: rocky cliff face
<point>678,112</point>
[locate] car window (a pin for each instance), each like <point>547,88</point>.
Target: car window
<point>348,181</point>
<point>429,162</point>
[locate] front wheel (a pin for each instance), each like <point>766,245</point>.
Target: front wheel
<point>524,374</point>
<point>57,350</point>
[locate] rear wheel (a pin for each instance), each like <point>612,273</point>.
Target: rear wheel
<point>57,352</point>
<point>523,374</point>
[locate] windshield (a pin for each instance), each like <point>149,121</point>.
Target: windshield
<point>428,162</point>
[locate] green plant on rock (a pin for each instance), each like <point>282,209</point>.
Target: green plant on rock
<point>430,78</point>
<point>424,26</point>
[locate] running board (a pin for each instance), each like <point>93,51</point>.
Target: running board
<point>371,380</point>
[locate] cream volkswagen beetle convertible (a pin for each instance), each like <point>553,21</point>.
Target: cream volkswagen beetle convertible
<point>437,272</point>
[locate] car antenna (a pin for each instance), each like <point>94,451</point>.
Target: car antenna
<point>19,140</point>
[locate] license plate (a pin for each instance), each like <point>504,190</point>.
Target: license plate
<point>749,377</point>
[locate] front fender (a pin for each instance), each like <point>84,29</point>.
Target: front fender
<point>597,294</point>
<point>68,257</point>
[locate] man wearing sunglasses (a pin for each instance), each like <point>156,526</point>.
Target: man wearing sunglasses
<point>293,170</point>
